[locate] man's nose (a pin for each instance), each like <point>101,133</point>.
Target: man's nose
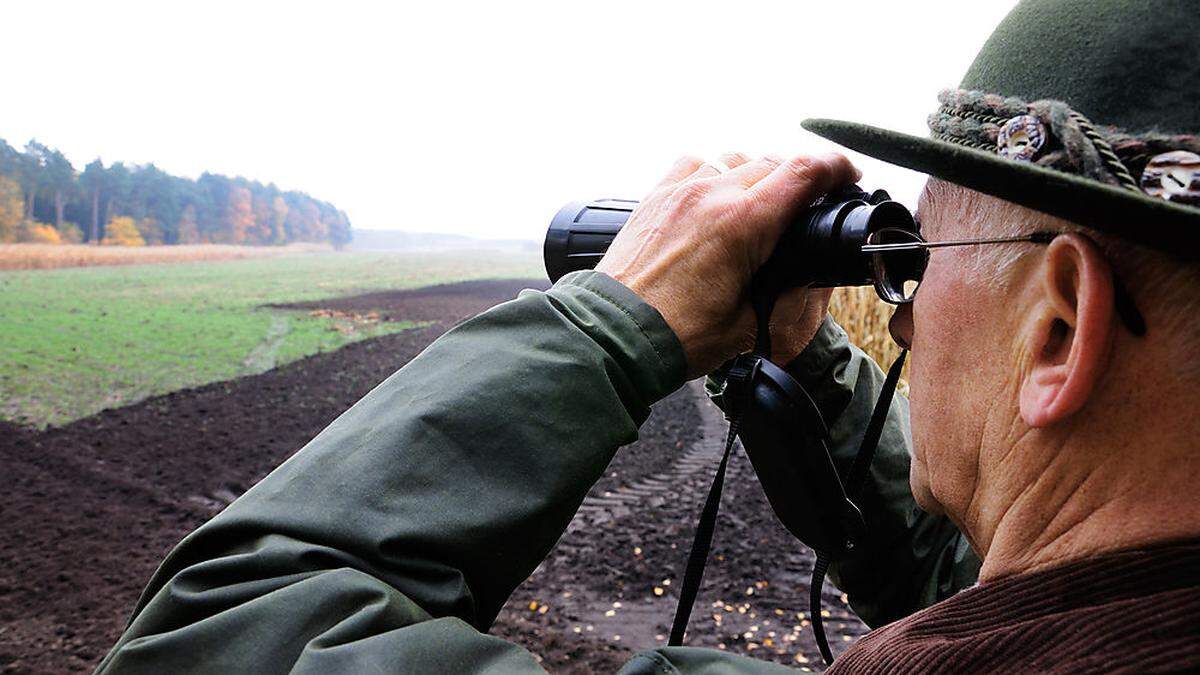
<point>901,325</point>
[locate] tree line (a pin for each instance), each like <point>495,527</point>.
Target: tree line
<point>44,198</point>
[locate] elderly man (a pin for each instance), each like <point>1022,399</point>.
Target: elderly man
<point>1053,418</point>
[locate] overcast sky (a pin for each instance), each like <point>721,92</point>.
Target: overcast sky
<point>472,118</point>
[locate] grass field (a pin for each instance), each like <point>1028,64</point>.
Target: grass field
<point>76,341</point>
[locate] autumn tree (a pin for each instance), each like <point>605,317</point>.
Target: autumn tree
<point>239,215</point>
<point>187,229</point>
<point>116,193</point>
<point>92,181</point>
<point>30,175</point>
<point>279,211</point>
<point>59,181</point>
<point>33,232</point>
<point>12,209</point>
<point>122,231</point>
<point>10,162</point>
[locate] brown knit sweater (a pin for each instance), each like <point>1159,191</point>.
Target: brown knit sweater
<point>1134,611</point>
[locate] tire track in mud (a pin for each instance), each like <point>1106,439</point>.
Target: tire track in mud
<point>265,354</point>
<point>688,477</point>
<point>686,483</point>
<point>610,586</point>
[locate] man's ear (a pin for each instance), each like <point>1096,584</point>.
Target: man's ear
<point>1071,331</point>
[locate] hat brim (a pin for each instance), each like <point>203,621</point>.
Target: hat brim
<point>1135,216</point>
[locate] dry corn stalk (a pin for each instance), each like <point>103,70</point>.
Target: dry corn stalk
<point>865,318</point>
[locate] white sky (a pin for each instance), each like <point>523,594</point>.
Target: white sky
<point>477,118</point>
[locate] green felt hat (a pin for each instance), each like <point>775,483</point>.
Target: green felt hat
<point>1088,110</point>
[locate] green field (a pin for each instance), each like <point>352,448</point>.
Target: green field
<point>76,341</point>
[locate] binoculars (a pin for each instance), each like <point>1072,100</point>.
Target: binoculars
<point>821,248</point>
<point>779,423</point>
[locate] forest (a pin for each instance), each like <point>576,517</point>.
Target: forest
<point>43,198</point>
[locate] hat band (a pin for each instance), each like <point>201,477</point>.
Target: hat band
<point>1051,134</point>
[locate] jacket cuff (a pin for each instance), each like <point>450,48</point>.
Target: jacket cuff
<point>630,329</point>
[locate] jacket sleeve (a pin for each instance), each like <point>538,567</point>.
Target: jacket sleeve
<point>911,559</point>
<point>391,540</point>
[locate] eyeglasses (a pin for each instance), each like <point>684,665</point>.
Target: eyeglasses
<point>899,258</point>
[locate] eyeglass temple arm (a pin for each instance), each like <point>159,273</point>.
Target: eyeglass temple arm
<point>1035,238</point>
<point>1122,300</point>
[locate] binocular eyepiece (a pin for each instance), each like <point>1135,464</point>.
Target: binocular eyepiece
<point>821,248</point>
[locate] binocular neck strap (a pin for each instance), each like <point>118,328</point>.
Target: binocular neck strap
<point>702,541</point>
<point>854,484</point>
<point>764,304</point>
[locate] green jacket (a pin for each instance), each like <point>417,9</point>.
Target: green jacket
<point>390,542</point>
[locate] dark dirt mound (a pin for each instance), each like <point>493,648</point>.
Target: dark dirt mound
<point>429,303</point>
<point>92,508</point>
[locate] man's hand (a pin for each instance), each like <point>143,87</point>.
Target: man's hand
<point>691,247</point>
<point>797,316</point>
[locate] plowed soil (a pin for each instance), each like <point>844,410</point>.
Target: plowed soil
<point>92,507</point>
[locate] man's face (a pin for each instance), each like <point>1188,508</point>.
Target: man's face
<point>961,389</point>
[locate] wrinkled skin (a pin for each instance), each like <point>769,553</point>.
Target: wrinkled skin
<point>691,246</point>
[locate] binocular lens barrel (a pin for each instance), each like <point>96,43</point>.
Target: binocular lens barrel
<point>822,247</point>
<point>581,233</point>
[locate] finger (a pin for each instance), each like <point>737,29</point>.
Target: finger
<point>733,159</point>
<point>798,181</point>
<point>798,315</point>
<point>818,305</point>
<point>801,306</point>
<point>724,164</point>
<point>790,307</point>
<point>820,301</point>
<point>750,173</point>
<point>683,167</point>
